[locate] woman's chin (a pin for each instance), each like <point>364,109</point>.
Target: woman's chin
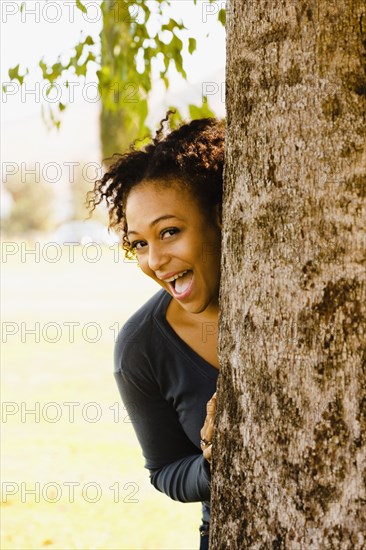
<point>196,307</point>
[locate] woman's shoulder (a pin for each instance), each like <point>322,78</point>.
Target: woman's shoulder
<point>137,330</point>
<point>143,317</point>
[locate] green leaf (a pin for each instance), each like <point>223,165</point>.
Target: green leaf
<point>80,70</point>
<point>222,17</point>
<point>81,6</point>
<point>89,41</point>
<point>56,69</point>
<point>192,45</point>
<point>176,43</point>
<point>61,106</point>
<point>172,25</point>
<point>175,118</point>
<point>91,57</point>
<point>43,68</point>
<point>14,74</point>
<point>175,49</point>
<point>22,6</point>
<point>164,79</point>
<point>79,49</point>
<point>201,112</point>
<point>49,90</point>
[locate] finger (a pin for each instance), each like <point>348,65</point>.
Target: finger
<point>209,431</point>
<point>211,406</point>
<point>207,453</point>
<point>207,426</point>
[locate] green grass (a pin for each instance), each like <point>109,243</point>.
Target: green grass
<point>103,453</point>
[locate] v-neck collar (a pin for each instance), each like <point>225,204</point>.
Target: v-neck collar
<point>160,317</point>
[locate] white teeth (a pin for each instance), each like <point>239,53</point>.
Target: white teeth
<point>175,277</point>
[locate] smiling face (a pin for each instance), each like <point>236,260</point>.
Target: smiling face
<point>173,238</point>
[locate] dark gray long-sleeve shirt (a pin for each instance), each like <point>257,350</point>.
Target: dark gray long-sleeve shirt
<point>165,386</point>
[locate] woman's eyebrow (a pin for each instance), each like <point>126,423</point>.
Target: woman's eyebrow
<point>154,222</point>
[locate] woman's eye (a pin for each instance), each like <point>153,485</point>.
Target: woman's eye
<point>137,245</point>
<point>169,232</point>
<point>166,233</point>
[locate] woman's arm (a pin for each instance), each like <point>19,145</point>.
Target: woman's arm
<point>177,468</point>
<point>187,480</point>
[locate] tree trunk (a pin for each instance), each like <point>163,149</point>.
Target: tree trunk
<point>289,448</point>
<point>116,127</point>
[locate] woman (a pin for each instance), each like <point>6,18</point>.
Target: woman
<point>166,200</point>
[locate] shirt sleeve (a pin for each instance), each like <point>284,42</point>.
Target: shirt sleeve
<point>177,468</point>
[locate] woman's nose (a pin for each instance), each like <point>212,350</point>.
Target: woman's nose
<point>157,257</point>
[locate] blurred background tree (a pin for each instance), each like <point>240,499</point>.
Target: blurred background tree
<point>31,207</point>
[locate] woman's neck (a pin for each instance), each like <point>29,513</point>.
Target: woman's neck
<point>209,315</point>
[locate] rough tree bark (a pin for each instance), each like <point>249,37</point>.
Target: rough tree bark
<point>289,450</point>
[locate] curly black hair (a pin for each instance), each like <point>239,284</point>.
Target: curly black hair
<point>192,154</point>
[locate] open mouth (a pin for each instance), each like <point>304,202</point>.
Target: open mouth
<point>182,282</point>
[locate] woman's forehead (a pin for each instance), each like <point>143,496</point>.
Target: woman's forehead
<point>150,201</point>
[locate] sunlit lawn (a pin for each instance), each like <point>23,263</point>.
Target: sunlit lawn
<point>50,451</point>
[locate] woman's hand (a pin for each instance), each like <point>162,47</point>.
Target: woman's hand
<point>208,428</point>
